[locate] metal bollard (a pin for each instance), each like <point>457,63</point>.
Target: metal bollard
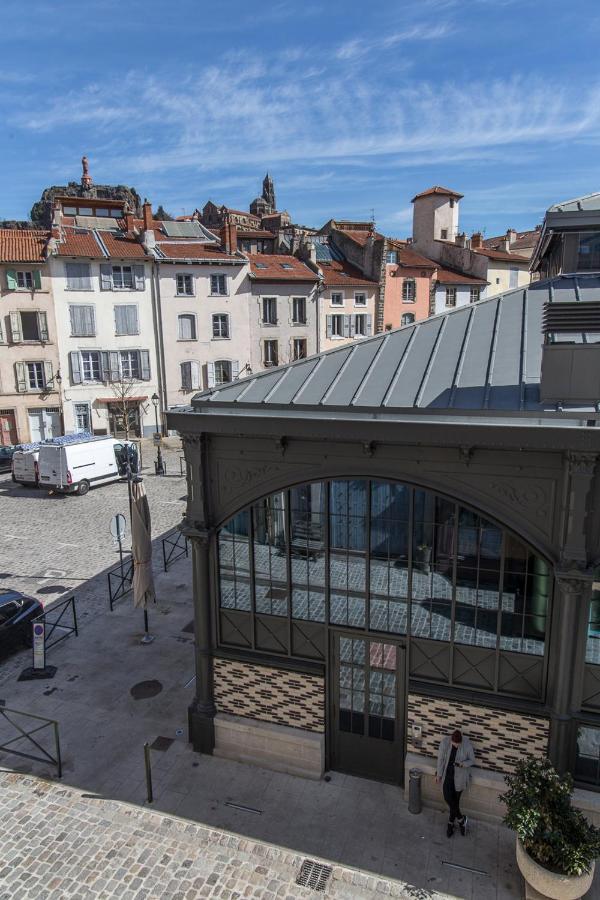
<point>415,804</point>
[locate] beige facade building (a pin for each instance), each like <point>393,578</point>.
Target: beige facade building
<point>30,408</point>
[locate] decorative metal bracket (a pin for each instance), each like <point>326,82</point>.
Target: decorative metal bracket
<point>466,453</point>
<point>369,448</point>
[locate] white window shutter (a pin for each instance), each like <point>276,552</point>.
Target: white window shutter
<point>369,323</point>
<point>235,369</point>
<point>43,326</point>
<point>114,373</point>
<point>75,363</point>
<point>48,373</point>
<point>329,326</point>
<point>21,375</point>
<point>210,374</point>
<point>352,324</point>
<point>106,282</point>
<point>347,326</point>
<point>145,364</point>
<point>195,373</point>
<point>138,272</point>
<point>15,328</point>
<point>105,366</point>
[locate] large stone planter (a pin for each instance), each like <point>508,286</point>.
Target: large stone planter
<point>550,884</point>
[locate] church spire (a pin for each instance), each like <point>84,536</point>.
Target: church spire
<point>269,192</point>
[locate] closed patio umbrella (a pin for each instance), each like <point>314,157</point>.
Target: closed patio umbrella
<point>141,549</point>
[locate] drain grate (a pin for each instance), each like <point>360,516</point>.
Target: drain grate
<point>161,743</point>
<point>313,875</point>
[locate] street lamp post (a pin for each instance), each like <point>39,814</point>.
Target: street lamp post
<point>158,465</point>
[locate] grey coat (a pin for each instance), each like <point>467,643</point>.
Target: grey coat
<point>465,755</point>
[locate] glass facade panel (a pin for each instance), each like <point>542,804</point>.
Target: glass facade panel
<point>592,650</point>
<point>587,762</point>
<point>391,559</point>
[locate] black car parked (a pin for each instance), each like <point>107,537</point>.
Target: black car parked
<point>16,614</point>
<point>6,455</point>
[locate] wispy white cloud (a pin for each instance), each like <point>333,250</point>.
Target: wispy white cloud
<point>359,46</point>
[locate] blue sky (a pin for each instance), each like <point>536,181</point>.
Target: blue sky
<point>353,107</point>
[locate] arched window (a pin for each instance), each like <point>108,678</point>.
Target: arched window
<point>393,559</point>
<point>407,318</point>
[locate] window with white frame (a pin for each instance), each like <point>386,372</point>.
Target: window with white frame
<point>450,296</point>
<point>90,365</point>
<point>186,327</point>
<point>220,325</point>
<point>270,353</point>
<point>337,298</point>
<point>299,310</point>
<point>299,348</point>
<point>360,325</point>
<point>29,326</point>
<point>475,294</point>
<point>409,290</point>
<point>218,285</point>
<point>269,311</point>
<point>336,326</point>
<point>35,376</point>
<point>391,257</point>
<point>24,281</point>
<point>122,278</point>
<point>130,364</point>
<point>79,277</point>
<point>126,319</point>
<point>185,285</point>
<point>223,373</point>
<point>407,318</point>
<point>360,299</point>
<point>83,320</point>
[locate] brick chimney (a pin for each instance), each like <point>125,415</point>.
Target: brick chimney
<point>505,244</point>
<point>147,214</point>
<point>476,240</point>
<point>229,239</point>
<point>511,234</point>
<point>461,239</point>
<point>129,224</point>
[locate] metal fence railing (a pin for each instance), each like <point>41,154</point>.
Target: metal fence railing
<point>120,581</point>
<point>25,733</point>
<point>174,546</point>
<point>60,620</point>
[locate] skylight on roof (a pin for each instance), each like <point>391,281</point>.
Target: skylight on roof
<point>286,266</point>
<point>260,265</point>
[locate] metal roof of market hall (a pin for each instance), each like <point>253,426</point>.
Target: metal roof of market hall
<point>481,361</point>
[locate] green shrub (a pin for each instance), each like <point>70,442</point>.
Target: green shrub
<point>539,810</point>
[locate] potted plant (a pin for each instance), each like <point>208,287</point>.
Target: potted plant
<point>556,845</point>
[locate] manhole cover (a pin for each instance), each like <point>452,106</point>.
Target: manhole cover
<point>313,875</point>
<point>161,743</point>
<point>143,690</point>
<point>53,589</point>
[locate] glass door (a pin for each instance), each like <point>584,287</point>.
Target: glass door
<point>367,715</point>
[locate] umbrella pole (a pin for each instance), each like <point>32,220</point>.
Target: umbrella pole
<point>148,638</point>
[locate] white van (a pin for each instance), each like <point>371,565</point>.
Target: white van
<point>25,469</point>
<point>73,465</point>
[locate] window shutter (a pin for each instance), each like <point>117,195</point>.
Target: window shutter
<point>78,277</point>
<point>48,373</point>
<point>1,332</point>
<point>353,320</point>
<point>214,284</point>
<point>114,373</point>
<point>105,372</point>
<point>369,323</point>
<point>37,279</point>
<point>186,378</point>
<point>347,320</point>
<point>235,369</point>
<point>106,282</point>
<point>145,364</point>
<point>138,274</point>
<point>43,326</point>
<point>329,326</point>
<point>21,375</point>
<point>210,374</point>
<point>195,375</point>
<point>75,363</point>
<point>132,320</point>
<point>15,328</point>
<point>11,279</point>
<point>120,323</point>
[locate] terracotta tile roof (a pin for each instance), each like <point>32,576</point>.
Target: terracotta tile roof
<point>254,233</point>
<point>525,240</point>
<point>442,191</point>
<point>270,267</point>
<point>22,245</point>
<point>74,242</point>
<point>189,249</point>
<point>409,257</point>
<point>451,276</point>
<point>359,236</point>
<point>341,272</point>
<point>501,255</point>
<point>122,245</point>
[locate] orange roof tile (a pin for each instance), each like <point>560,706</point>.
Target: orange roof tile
<point>75,242</point>
<point>359,236</point>
<point>189,249</point>
<point>270,267</point>
<point>22,245</point>
<point>122,245</point>
<point>451,276</point>
<point>341,272</point>
<point>501,255</point>
<point>442,191</point>
<point>409,257</point>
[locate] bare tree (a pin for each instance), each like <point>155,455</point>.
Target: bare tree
<point>123,389</point>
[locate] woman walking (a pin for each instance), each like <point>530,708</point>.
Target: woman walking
<point>455,757</point>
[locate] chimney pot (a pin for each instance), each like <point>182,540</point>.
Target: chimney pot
<point>476,240</point>
<point>147,214</point>
<point>511,235</point>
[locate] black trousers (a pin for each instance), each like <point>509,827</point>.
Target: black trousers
<point>452,798</point>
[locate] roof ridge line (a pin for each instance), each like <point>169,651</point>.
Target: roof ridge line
<point>384,342</point>
<point>400,366</point>
<point>432,356</point>
<point>342,369</point>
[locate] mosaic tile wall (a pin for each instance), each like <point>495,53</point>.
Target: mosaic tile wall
<point>270,695</point>
<point>499,738</point>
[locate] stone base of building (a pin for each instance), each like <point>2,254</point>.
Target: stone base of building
<point>270,746</point>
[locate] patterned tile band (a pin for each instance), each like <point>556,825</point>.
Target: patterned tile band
<point>499,738</point>
<point>270,695</point>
